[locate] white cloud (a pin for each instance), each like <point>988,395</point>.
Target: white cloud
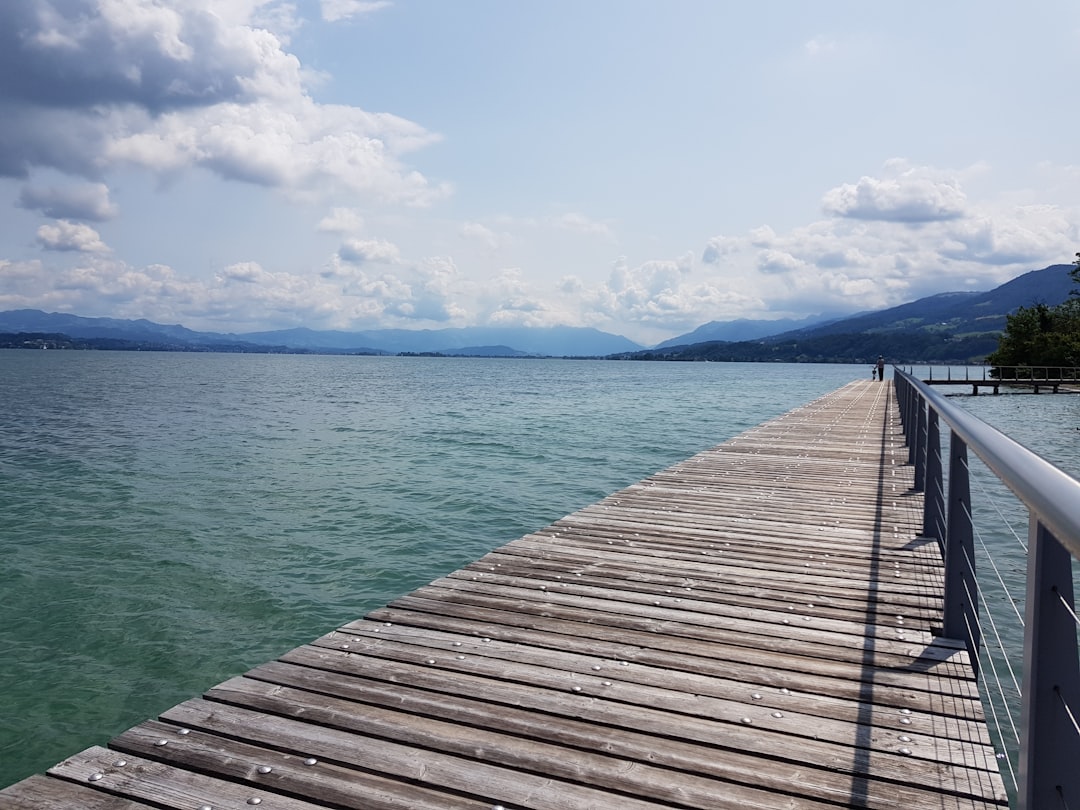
<point>433,292</point>
<point>70,236</point>
<point>778,261</point>
<point>366,251</point>
<point>510,299</point>
<point>718,247</point>
<point>13,273</point>
<point>301,146</point>
<point>661,295</point>
<point>242,296</point>
<point>245,273</point>
<point>280,19</point>
<point>87,201</point>
<point>1026,235</point>
<point>335,10</point>
<point>763,236</point>
<point>172,87</point>
<point>342,221</point>
<point>914,196</point>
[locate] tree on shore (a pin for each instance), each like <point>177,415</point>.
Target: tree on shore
<point>1041,335</point>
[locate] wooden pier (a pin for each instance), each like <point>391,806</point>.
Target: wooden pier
<point>1033,378</point>
<point>753,627</point>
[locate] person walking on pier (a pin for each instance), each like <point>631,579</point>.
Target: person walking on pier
<point>880,368</point>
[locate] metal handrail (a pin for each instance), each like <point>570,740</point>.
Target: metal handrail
<point>1050,736</point>
<point>1048,491</point>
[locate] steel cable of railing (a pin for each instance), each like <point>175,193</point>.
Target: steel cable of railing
<point>997,688</point>
<point>1072,719</point>
<point>1068,712</point>
<point>997,571</point>
<point>981,598</point>
<point>993,683</point>
<point>999,729</point>
<point>993,502</point>
<point>1069,608</point>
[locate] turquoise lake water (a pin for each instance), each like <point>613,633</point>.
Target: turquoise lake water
<point>170,520</point>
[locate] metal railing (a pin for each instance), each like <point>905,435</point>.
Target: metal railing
<point>1049,758</point>
<point>1005,374</point>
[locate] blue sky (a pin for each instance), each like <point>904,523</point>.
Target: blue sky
<point>639,167</point>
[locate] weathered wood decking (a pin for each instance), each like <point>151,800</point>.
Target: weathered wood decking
<point>752,627</point>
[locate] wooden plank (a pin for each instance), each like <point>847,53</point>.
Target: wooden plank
<point>605,726</point>
<point>758,619</point>
<point>44,793</point>
<point>899,690</point>
<point>688,693</point>
<point>418,753</point>
<point>833,602</point>
<point>944,659</point>
<point>843,598</point>
<point>161,785</point>
<point>669,670</point>
<point>500,623</point>
<point>609,733</point>
<point>292,773</point>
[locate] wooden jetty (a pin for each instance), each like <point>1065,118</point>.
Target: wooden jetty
<point>753,627</point>
<point>1035,378</point>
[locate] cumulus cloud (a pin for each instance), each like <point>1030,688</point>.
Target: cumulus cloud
<point>199,84</point>
<point>92,54</point>
<point>510,299</point>
<point>778,261</point>
<point>244,272</point>
<point>13,273</point>
<point>432,293</point>
<point>912,197</point>
<point>88,201</point>
<point>70,236</point>
<point>763,236</point>
<point>298,145</point>
<point>335,10</point>
<point>342,221</point>
<point>279,18</point>
<point>1022,237</point>
<point>242,296</point>
<point>365,251</point>
<point>664,294</point>
<point>718,247</point>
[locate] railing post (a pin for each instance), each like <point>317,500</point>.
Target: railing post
<point>961,620</point>
<point>934,500</point>
<point>920,445</point>
<point>1049,741</point>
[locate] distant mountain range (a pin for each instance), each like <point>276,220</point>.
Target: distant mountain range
<point>955,327</point>
<point>950,327</point>
<point>556,341</point>
<point>743,329</point>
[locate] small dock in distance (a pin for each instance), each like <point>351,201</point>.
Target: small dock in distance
<point>1033,378</point>
<point>753,627</point>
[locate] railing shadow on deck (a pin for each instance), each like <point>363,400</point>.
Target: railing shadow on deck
<point>1049,734</point>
